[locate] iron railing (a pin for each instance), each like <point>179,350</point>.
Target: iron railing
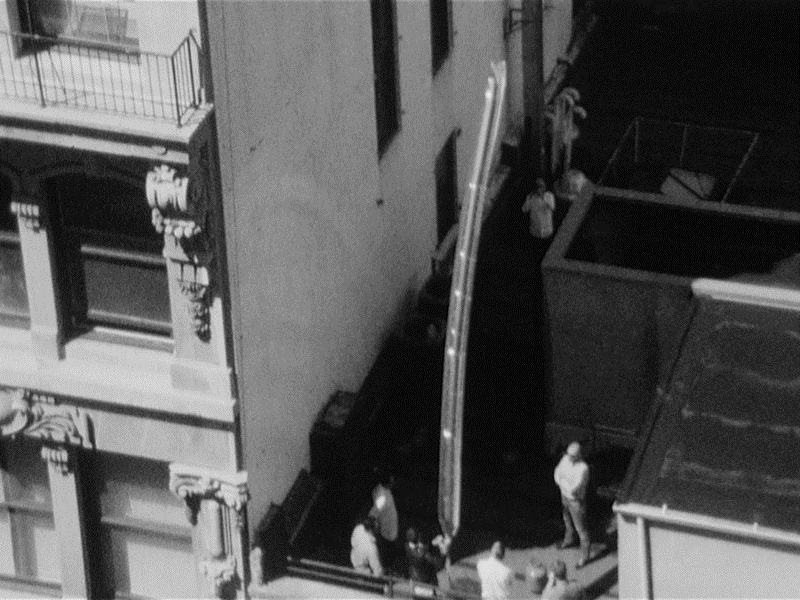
<point>100,77</point>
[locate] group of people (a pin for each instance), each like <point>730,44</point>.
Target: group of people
<point>549,584</point>
<point>375,544</point>
<point>572,478</point>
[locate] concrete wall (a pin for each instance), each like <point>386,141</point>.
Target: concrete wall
<point>327,244</point>
<point>162,24</point>
<point>693,564</point>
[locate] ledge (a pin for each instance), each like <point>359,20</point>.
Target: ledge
<point>668,516</point>
<point>119,376</point>
<point>748,293</point>
<point>122,135</point>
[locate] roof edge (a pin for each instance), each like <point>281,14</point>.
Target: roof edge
<point>748,293</point>
<point>669,516</point>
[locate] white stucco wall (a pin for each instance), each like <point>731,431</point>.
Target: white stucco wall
<point>693,564</point>
<point>320,270</point>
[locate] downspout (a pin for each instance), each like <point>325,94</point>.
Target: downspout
<point>644,559</point>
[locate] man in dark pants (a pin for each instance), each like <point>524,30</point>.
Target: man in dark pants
<point>572,477</point>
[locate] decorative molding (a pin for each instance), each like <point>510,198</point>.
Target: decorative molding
<point>194,484</point>
<point>179,204</point>
<point>37,415</point>
<point>199,297</point>
<point>27,210</point>
<point>57,456</point>
<point>219,572</point>
<point>180,210</point>
<point>168,198</point>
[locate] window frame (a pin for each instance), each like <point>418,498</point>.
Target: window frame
<point>75,245</point>
<point>441,42</point>
<point>386,67</point>
<point>11,238</point>
<point>12,508</point>
<point>101,525</point>
<point>24,25</point>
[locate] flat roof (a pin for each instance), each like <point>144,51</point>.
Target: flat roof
<point>724,441</point>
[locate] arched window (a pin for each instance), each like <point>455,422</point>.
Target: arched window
<point>13,296</point>
<point>109,256</point>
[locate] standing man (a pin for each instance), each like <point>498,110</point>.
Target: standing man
<point>384,511</point>
<point>496,577</point>
<point>572,478</point>
<point>540,204</point>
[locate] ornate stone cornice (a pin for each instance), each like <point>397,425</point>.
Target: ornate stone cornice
<point>193,484</point>
<point>27,210</point>
<point>37,415</point>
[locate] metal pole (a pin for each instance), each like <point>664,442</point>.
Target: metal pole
<point>175,88</point>
<point>38,73</point>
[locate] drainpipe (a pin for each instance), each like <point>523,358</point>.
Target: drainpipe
<point>644,559</point>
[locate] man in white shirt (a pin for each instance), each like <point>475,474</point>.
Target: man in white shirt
<point>496,577</point>
<point>364,554</point>
<point>572,478</point>
<point>385,513</point>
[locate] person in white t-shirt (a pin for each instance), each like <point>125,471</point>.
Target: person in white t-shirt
<point>364,549</point>
<point>572,477</point>
<point>384,511</point>
<point>540,204</point>
<point>496,577</point>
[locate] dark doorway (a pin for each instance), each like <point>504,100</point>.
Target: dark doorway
<point>446,187</point>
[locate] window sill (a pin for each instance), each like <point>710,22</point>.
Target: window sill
<point>127,338</point>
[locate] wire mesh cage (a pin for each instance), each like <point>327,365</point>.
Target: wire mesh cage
<point>679,160</point>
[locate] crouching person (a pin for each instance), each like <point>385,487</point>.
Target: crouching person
<point>364,554</point>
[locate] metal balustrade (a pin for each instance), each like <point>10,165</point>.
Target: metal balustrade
<point>103,78</point>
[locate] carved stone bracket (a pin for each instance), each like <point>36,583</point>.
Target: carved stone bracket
<point>219,572</point>
<point>37,415</point>
<point>179,206</point>
<point>199,297</point>
<point>27,209</point>
<point>194,484</point>
<point>167,195</point>
<point>180,210</point>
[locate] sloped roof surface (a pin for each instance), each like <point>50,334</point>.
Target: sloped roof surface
<point>726,439</point>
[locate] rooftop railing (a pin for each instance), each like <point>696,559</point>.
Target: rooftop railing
<point>103,78</point>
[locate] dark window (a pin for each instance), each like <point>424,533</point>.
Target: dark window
<point>446,187</point>
<point>441,31</point>
<point>29,551</point>
<point>90,20</point>
<point>13,295</point>
<point>112,270</point>
<point>384,50</point>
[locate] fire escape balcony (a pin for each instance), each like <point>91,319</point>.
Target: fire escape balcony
<point>102,78</point>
